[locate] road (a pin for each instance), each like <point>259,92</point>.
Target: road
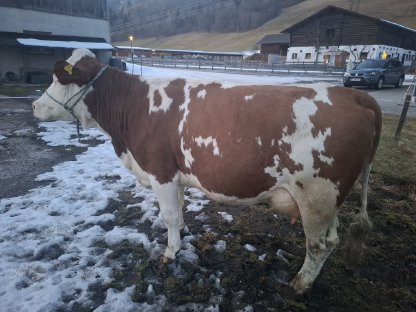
<point>389,97</point>
<point>22,155</point>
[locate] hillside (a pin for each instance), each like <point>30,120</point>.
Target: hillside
<point>402,12</point>
<point>153,18</point>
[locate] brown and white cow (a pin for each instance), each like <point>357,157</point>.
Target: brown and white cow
<point>298,148</point>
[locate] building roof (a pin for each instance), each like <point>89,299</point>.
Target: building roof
<point>275,38</point>
<point>331,7</point>
<point>65,44</point>
<point>181,51</point>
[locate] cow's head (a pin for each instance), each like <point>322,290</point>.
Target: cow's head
<point>64,99</point>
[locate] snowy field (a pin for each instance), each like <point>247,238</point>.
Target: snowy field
<point>50,257</point>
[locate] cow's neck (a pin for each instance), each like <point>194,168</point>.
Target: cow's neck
<point>117,98</point>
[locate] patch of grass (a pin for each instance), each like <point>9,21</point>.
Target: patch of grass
<point>20,90</point>
<point>397,159</point>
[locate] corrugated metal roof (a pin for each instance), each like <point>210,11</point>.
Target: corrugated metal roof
<point>182,51</point>
<point>276,38</point>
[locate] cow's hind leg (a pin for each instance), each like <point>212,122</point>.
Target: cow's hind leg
<point>321,239</point>
<point>167,195</point>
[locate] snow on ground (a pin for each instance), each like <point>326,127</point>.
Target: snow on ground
<point>49,257</point>
<point>226,216</point>
<point>241,79</point>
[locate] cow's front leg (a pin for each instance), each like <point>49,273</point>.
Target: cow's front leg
<point>181,203</point>
<point>167,195</point>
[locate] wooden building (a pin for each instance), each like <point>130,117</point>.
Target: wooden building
<point>274,44</point>
<point>335,35</point>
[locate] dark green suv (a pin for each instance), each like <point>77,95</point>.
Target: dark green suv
<point>375,73</point>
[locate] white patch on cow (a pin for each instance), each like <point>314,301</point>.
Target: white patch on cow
<point>249,97</point>
<point>258,139</point>
<point>189,159</point>
<point>272,143</point>
<point>202,94</point>
<point>78,54</point>
<point>130,163</point>
<point>227,85</point>
<point>317,191</point>
<point>185,105</point>
<point>208,141</point>
<point>272,171</point>
<point>321,93</point>
<point>302,141</point>
<point>158,85</point>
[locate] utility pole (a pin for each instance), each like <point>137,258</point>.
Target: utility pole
<point>131,48</point>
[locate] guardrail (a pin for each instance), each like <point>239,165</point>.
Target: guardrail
<point>243,66</point>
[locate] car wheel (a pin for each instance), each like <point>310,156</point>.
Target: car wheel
<point>380,83</point>
<point>399,83</point>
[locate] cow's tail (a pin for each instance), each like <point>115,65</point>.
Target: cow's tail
<point>361,225</point>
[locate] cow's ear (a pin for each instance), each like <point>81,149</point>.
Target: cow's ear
<point>68,73</point>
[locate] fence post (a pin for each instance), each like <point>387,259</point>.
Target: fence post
<point>408,99</point>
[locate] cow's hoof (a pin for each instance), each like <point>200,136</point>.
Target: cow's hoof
<point>297,285</point>
<point>289,293</point>
<point>166,260</point>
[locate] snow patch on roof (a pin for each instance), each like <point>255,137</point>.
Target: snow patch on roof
<point>65,44</point>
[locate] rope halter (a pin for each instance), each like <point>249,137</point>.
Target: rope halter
<point>76,98</point>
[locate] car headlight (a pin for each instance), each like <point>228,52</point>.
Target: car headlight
<point>373,73</point>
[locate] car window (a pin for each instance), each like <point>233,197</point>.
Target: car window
<point>397,64</point>
<point>371,64</point>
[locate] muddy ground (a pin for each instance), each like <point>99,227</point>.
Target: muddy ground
<point>384,281</point>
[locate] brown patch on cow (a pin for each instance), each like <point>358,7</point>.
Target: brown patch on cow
<point>352,138</point>
<point>77,74</point>
<point>175,90</point>
<point>157,99</point>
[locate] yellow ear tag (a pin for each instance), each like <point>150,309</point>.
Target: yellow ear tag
<point>68,68</point>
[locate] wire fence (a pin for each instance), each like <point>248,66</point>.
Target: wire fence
<point>242,66</point>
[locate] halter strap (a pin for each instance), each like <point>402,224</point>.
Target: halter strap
<point>77,96</point>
